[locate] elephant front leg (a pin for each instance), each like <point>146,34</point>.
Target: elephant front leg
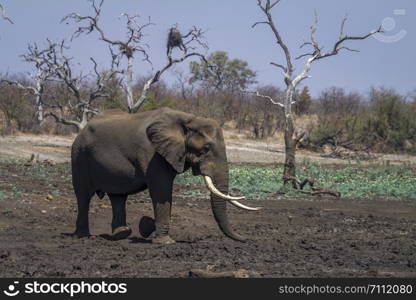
<point>119,227</point>
<point>160,177</point>
<point>162,205</point>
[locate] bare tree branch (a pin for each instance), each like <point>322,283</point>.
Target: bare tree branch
<point>155,78</point>
<point>266,8</point>
<point>338,45</point>
<point>195,34</point>
<point>132,44</point>
<point>317,53</point>
<point>118,48</point>
<point>315,189</point>
<point>61,69</point>
<point>134,35</point>
<point>276,2</point>
<point>305,73</point>
<point>61,120</point>
<point>257,94</point>
<point>19,85</point>
<point>343,22</point>
<point>101,90</point>
<point>3,14</point>
<point>279,66</point>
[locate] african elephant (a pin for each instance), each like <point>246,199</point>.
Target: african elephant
<point>120,154</point>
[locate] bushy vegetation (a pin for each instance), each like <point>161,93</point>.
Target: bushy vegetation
<point>373,180</point>
<point>381,121</point>
<point>376,180</point>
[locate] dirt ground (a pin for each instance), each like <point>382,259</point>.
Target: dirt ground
<point>240,149</point>
<point>309,237</point>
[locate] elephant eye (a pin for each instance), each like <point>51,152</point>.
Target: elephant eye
<point>205,148</point>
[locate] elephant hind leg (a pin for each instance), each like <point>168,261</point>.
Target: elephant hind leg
<point>82,224</point>
<point>82,188</point>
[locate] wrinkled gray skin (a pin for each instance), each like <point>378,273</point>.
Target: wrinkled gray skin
<point>120,154</point>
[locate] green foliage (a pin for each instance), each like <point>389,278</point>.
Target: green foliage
<point>3,195</point>
<point>373,181</point>
<point>379,180</point>
<point>222,72</point>
<point>384,122</point>
<point>392,120</point>
<point>16,193</point>
<point>376,180</point>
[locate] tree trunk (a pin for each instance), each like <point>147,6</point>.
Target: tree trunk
<point>290,150</point>
<point>129,86</point>
<point>289,170</point>
<point>39,94</point>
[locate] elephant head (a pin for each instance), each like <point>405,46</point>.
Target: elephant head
<point>187,141</point>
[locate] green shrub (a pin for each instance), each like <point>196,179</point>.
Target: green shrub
<point>383,123</point>
<point>376,180</point>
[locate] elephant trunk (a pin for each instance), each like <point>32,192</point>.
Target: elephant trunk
<point>219,206</point>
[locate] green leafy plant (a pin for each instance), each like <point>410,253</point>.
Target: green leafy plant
<point>376,180</point>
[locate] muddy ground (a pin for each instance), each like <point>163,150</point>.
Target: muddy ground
<point>308,237</point>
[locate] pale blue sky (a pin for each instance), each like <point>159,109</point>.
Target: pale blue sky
<point>228,27</point>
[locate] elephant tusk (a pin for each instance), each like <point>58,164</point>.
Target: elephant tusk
<point>216,192</point>
<point>242,206</point>
<point>231,199</point>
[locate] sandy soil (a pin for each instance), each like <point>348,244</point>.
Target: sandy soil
<point>239,150</point>
<point>309,237</point>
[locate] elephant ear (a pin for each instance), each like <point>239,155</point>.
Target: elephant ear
<point>167,135</point>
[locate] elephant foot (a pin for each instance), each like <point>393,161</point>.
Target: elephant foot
<point>147,229</point>
<point>120,233</point>
<point>146,226</point>
<point>164,240</point>
<point>78,234</point>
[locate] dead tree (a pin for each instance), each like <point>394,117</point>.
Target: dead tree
<point>40,77</point>
<point>292,81</point>
<point>132,44</point>
<point>61,68</point>
<point>119,48</point>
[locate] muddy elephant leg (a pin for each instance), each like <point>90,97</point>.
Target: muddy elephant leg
<point>119,227</point>
<point>82,224</point>
<point>161,177</point>
<point>162,204</point>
